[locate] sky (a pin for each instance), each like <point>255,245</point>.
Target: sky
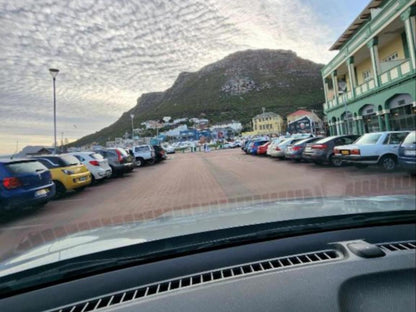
<point>109,52</point>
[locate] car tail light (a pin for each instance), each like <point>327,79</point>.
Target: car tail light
<point>120,157</point>
<point>94,162</point>
<point>277,148</point>
<point>11,183</point>
<point>336,151</point>
<point>355,151</point>
<point>319,146</point>
<point>296,148</point>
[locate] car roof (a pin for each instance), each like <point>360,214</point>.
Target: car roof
<point>13,160</point>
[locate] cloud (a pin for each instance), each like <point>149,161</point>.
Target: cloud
<point>109,53</point>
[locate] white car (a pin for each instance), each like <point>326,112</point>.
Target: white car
<point>378,148</point>
<point>95,163</point>
<point>144,154</point>
<point>278,150</point>
<point>170,149</point>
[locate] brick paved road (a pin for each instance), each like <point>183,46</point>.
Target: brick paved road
<point>187,181</point>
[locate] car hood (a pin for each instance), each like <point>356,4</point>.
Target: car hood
<point>201,219</point>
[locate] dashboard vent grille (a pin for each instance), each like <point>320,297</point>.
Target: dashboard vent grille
<point>201,278</point>
<point>398,246</point>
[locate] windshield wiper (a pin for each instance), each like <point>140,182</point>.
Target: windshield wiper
<point>122,257</point>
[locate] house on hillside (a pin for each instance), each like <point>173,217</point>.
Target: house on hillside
<point>303,121</point>
<point>268,123</point>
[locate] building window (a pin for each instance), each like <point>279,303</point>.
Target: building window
<point>392,57</point>
<point>367,75</point>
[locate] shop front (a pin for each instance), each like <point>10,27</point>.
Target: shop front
<point>402,113</point>
<point>370,119</point>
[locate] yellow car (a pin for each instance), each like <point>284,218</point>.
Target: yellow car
<point>67,172</point>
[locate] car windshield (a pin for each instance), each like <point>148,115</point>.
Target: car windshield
<point>96,156</point>
<point>224,87</point>
<point>25,167</point>
<point>69,160</point>
<point>368,139</point>
<point>411,138</point>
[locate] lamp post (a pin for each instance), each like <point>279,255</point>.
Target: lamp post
<point>132,128</point>
<point>54,72</point>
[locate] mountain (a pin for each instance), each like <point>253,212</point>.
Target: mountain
<point>236,87</point>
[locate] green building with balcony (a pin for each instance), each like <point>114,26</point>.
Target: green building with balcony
<point>370,85</point>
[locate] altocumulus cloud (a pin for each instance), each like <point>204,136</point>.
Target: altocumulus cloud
<point>109,52</point>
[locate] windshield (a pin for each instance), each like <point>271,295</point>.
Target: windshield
<point>69,160</point>
<point>411,138</point>
<point>224,87</point>
<point>25,167</point>
<point>370,138</point>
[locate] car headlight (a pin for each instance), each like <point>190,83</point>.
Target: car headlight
<point>66,171</point>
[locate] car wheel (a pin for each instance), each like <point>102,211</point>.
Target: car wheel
<point>336,162</point>
<point>388,163</point>
<point>60,189</point>
<point>139,162</point>
<point>151,161</point>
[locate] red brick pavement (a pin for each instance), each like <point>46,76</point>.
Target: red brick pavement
<point>184,183</point>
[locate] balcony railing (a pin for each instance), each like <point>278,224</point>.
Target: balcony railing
<point>395,72</point>
<point>390,76</point>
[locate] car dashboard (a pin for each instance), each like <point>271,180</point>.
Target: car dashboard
<point>361,269</point>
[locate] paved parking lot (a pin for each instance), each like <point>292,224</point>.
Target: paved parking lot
<point>187,181</point>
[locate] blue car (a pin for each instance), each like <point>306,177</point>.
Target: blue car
<point>407,153</point>
<point>24,183</point>
<point>255,145</point>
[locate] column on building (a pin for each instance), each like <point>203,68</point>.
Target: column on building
<point>373,46</point>
<point>408,17</point>
<point>386,113</point>
<point>335,86</point>
<point>357,125</point>
<point>325,90</point>
<point>351,75</point>
<point>380,121</point>
<point>360,124</point>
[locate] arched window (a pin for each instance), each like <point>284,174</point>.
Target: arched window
<point>402,112</point>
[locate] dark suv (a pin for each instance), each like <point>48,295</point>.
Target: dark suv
<point>322,151</point>
<point>119,160</point>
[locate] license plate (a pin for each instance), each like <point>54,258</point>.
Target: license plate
<point>82,179</point>
<point>41,193</point>
<point>345,152</point>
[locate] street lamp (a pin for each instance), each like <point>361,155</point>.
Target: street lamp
<point>132,128</point>
<point>54,72</point>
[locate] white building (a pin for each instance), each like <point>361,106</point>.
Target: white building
<point>235,125</point>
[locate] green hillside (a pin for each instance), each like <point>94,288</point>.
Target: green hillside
<point>236,87</point>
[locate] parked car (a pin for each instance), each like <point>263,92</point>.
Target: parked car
<point>95,163</point>
<point>168,148</point>
<point>279,150</point>
<point>294,151</point>
<point>378,148</point>
<point>252,149</point>
<point>119,160</point>
<point>160,153</point>
<point>273,145</point>
<point>245,145</point>
<point>407,153</point>
<point>262,149</point>
<point>24,183</point>
<point>67,172</point>
<point>322,151</point>
<point>133,159</point>
<point>144,154</point>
